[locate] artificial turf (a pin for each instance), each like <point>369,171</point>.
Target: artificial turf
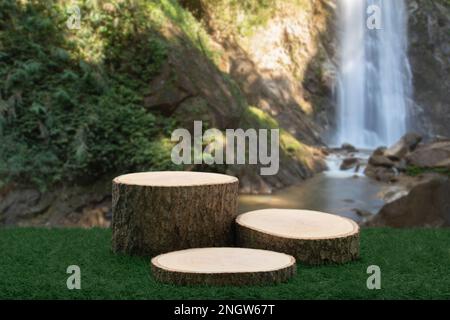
<point>415,264</point>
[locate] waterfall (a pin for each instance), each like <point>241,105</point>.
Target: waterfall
<point>374,80</point>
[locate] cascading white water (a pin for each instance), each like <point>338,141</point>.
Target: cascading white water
<point>374,82</point>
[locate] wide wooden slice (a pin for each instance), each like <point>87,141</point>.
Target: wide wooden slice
<point>223,266</point>
<point>156,212</point>
<point>311,237</point>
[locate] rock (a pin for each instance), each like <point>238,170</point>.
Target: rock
<point>406,144</point>
<point>433,155</point>
<point>164,96</point>
<point>412,140</point>
<point>324,151</point>
<point>394,194</point>
<point>439,138</point>
<point>379,151</point>
<point>382,174</point>
<point>349,163</point>
<point>427,205</point>
<point>429,40</point>
<point>386,175</point>
<point>63,205</point>
<point>362,213</point>
<point>370,171</point>
<point>197,89</point>
<point>21,204</point>
<point>444,164</point>
<point>381,161</point>
<point>401,165</point>
<point>348,147</point>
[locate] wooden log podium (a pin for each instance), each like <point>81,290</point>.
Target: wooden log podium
<point>158,212</point>
<point>223,266</point>
<point>311,237</point>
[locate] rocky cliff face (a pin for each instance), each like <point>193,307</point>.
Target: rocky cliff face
<point>281,66</point>
<point>429,34</point>
<point>251,81</point>
<point>285,66</point>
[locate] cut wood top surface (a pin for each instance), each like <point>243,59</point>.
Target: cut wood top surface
<point>223,260</point>
<point>298,224</point>
<point>174,179</point>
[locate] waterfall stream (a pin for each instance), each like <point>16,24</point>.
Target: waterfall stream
<point>374,81</point>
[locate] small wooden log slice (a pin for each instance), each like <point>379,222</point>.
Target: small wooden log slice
<point>157,212</point>
<point>311,237</point>
<point>223,266</point>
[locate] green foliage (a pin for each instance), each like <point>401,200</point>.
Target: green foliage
<point>416,171</point>
<point>257,118</point>
<point>164,11</point>
<point>71,100</point>
<point>414,265</point>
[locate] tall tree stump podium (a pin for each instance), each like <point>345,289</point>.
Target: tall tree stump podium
<point>311,237</point>
<point>158,212</point>
<point>223,266</point>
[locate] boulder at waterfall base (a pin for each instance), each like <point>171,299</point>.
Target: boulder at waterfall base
<point>426,205</point>
<point>348,147</point>
<point>381,161</point>
<point>386,163</point>
<point>406,144</point>
<point>382,174</point>
<point>349,163</point>
<point>432,155</point>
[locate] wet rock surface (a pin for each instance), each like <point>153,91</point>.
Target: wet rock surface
<point>426,205</point>
<point>350,163</point>
<point>82,206</point>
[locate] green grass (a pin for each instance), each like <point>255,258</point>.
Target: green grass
<point>415,264</point>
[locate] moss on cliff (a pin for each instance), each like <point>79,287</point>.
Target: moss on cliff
<point>290,146</point>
